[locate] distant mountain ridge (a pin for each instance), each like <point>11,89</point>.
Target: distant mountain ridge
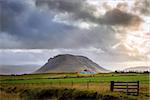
<point>138,69</point>
<point>18,69</point>
<point>70,63</point>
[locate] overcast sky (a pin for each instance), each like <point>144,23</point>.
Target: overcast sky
<point>110,32</point>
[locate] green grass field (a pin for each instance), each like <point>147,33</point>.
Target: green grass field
<point>47,78</point>
<point>98,82</point>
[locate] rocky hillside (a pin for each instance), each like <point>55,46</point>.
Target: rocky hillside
<point>70,63</point>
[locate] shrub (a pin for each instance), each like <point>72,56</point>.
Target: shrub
<point>63,94</point>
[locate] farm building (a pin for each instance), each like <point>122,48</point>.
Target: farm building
<point>87,72</point>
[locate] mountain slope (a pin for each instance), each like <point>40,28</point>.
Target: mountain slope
<point>18,69</point>
<point>70,63</point>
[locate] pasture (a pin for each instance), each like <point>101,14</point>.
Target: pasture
<point>73,77</point>
<point>98,82</point>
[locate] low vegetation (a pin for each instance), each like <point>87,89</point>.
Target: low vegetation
<point>60,94</point>
<point>25,93</point>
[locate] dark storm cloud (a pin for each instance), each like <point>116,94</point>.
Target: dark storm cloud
<point>8,8</point>
<point>25,26</point>
<point>81,10</point>
<point>29,24</point>
<point>118,17</point>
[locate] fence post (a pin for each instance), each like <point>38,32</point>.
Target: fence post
<point>87,84</point>
<point>128,92</point>
<point>127,89</point>
<point>59,83</point>
<point>112,86</point>
<point>138,87</point>
<point>72,84</point>
<point>50,83</point>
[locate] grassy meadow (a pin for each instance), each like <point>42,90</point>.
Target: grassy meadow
<point>99,83</point>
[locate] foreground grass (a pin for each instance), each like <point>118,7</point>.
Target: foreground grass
<point>9,96</point>
<point>46,93</point>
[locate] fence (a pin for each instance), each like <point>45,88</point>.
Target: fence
<point>85,85</point>
<point>130,87</point>
<point>72,84</point>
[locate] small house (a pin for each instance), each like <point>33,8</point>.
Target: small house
<point>87,72</point>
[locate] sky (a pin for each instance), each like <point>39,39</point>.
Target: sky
<point>113,33</point>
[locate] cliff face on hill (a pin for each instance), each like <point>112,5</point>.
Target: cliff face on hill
<point>70,63</point>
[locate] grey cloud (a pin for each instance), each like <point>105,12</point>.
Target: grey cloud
<point>100,37</point>
<point>9,10</point>
<point>32,26</point>
<point>81,10</point>
<point>8,57</point>
<point>28,26</point>
<point>118,17</point>
<point>142,6</point>
<point>122,6</point>
<point>106,6</point>
<point>8,41</point>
